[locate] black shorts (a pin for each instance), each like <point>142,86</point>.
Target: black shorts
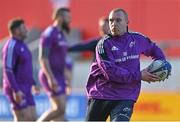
<point>119,110</point>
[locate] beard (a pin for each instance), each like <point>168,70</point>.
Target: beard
<point>23,36</point>
<point>65,27</point>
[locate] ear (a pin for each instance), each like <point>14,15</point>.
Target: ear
<point>59,18</point>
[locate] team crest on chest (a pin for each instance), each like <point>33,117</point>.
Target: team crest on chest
<point>131,44</point>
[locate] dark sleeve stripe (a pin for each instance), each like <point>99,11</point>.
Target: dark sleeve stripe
<point>100,48</point>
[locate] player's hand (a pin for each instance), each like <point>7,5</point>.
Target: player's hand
<point>68,90</point>
<point>35,90</point>
<point>54,85</point>
<point>18,97</point>
<point>148,77</point>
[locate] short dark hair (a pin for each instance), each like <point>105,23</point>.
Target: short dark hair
<point>59,12</point>
<point>121,10</point>
<point>14,24</point>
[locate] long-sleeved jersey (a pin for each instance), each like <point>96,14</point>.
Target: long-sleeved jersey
<point>54,44</point>
<point>17,65</point>
<point>116,74</point>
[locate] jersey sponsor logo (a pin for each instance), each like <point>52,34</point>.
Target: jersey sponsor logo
<point>114,48</point>
<point>126,109</point>
<point>125,115</point>
<point>126,58</point>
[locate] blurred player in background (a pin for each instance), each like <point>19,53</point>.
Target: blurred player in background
<point>17,73</point>
<point>90,45</point>
<point>52,56</point>
<point>115,80</point>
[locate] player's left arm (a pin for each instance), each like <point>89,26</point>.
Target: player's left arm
<point>149,48</point>
<point>35,87</point>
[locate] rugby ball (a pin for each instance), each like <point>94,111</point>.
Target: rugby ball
<point>160,68</point>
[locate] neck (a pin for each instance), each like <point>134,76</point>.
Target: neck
<point>122,33</point>
<point>57,25</point>
<point>17,37</point>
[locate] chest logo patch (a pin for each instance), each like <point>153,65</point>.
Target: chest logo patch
<point>131,44</point>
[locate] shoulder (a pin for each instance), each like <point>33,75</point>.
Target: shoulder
<point>137,34</point>
<point>10,46</point>
<point>47,35</point>
<point>102,42</point>
<point>140,37</point>
<point>104,39</point>
<point>48,32</point>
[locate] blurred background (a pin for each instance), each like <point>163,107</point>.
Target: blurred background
<point>158,19</point>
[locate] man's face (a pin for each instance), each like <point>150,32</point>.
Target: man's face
<point>66,21</point>
<point>21,31</point>
<point>118,23</point>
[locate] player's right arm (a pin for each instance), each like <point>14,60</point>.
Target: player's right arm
<point>10,63</point>
<point>44,51</point>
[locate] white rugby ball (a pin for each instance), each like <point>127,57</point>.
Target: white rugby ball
<point>160,68</point>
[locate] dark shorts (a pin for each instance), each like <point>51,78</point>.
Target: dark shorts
<point>119,110</point>
<point>28,99</point>
<point>44,83</point>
